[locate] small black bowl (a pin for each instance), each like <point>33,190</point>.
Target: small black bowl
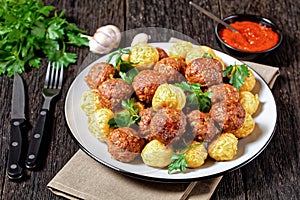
<point>246,55</point>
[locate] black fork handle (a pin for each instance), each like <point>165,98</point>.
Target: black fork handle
<point>36,140</point>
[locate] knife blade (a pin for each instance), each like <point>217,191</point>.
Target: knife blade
<point>14,170</point>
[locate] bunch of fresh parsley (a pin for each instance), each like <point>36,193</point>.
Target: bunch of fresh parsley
<point>30,31</point>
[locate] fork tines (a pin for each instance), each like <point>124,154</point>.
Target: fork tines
<point>54,76</point>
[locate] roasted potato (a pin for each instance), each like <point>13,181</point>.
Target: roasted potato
<point>143,55</point>
<point>98,123</point>
<point>224,147</point>
<point>180,49</point>
<point>201,52</point>
<point>210,51</point>
<point>170,96</point>
<point>156,154</point>
<point>247,127</point>
<point>89,102</point>
<point>249,83</point>
<point>249,101</point>
<point>195,52</point>
<point>196,155</point>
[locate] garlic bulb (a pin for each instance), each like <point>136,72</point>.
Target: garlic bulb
<point>105,39</point>
<point>141,37</point>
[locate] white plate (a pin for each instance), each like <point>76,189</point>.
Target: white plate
<point>248,148</point>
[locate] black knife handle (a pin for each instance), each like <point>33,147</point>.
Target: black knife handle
<point>14,170</point>
<point>36,140</point>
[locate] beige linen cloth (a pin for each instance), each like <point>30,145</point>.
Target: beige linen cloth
<point>84,178</point>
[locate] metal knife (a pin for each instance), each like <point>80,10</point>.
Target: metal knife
<point>14,170</point>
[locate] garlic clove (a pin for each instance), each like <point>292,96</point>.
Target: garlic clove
<point>141,37</point>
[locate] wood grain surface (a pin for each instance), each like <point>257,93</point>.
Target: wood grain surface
<point>274,174</point>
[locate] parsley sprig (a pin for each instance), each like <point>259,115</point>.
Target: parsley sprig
<point>28,34</point>
<point>237,74</point>
<point>128,117</point>
<point>179,163</point>
<point>179,159</point>
<point>129,76</point>
<point>116,60</point>
<point>197,96</point>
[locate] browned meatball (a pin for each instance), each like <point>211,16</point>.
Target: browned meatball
<point>146,116</point>
<point>146,83</point>
<point>223,92</point>
<point>112,92</point>
<point>168,125</point>
<point>171,68</point>
<point>161,53</point>
<point>229,115</point>
<point>99,73</point>
<point>202,125</point>
<point>124,144</point>
<point>205,71</point>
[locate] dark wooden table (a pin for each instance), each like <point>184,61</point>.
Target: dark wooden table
<point>274,174</point>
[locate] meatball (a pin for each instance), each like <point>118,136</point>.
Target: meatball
<point>223,92</point>
<point>144,124</point>
<point>229,115</point>
<point>161,53</point>
<point>168,125</point>
<point>99,73</point>
<point>146,83</point>
<point>124,144</point>
<point>202,125</point>
<point>171,68</point>
<point>205,71</point>
<point>112,92</point>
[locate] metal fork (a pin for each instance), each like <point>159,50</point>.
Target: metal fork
<point>52,87</point>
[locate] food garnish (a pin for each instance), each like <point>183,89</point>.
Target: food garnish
<point>179,163</point>
<point>179,159</point>
<point>207,55</point>
<point>29,33</point>
<point>198,97</point>
<point>129,76</point>
<point>116,60</point>
<point>237,74</point>
<point>127,117</point>
<point>118,56</point>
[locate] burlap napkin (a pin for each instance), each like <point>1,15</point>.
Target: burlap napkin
<point>84,178</point>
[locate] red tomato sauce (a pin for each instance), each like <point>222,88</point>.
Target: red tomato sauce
<point>251,36</point>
